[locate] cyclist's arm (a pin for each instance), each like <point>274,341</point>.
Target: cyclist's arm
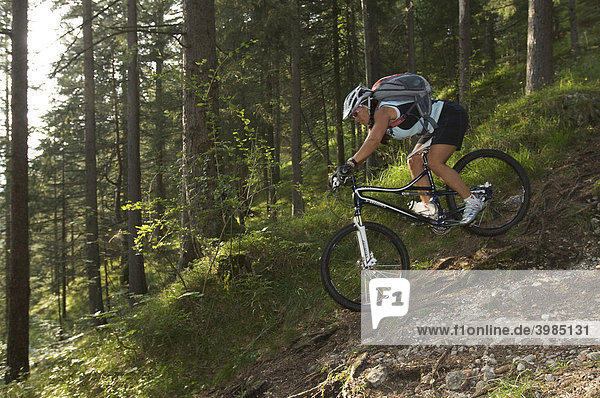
<point>376,133</point>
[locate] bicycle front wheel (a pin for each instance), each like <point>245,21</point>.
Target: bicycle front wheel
<point>342,263</point>
<point>502,182</point>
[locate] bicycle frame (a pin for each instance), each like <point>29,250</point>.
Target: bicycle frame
<point>444,218</point>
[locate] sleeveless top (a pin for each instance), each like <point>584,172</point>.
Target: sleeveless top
<point>407,125</point>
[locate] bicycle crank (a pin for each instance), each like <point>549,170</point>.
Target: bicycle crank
<point>439,230</point>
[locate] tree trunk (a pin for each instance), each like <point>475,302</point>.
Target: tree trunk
<point>539,45</point>
<point>324,107</point>
<point>56,246</point>
<point>490,37</point>
<point>573,25</point>
<point>464,51</point>
<point>200,107</point>
<point>117,148</point>
<point>274,142</point>
<point>369,8</point>
<point>352,69</point>
<point>410,36</point>
<point>159,117</point>
<point>17,292</point>
<point>297,200</point>
<point>7,172</point>
<point>137,276</point>
<point>371,60</point>
<point>63,237</point>
<point>123,250</point>
<point>92,249</point>
<point>338,108</point>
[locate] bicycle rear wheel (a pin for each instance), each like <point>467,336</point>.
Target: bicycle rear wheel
<point>499,179</point>
<point>342,263</point>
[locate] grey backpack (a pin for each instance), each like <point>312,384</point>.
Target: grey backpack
<point>409,88</point>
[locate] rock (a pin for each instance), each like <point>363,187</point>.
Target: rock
<point>404,353</point>
<point>530,359</point>
<point>489,359</point>
<point>488,373</point>
<point>455,380</point>
<point>521,367</point>
<point>583,355</point>
<point>549,378</point>
<point>377,375</point>
<point>594,356</point>
<point>503,369</point>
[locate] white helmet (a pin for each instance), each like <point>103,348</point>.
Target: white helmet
<point>356,98</point>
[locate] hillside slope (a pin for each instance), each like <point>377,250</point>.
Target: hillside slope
<point>561,231</point>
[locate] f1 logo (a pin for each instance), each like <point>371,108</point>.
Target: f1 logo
<point>388,297</point>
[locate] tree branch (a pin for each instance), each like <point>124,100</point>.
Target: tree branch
<point>118,32</point>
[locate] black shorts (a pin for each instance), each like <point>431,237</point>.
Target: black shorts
<point>452,126</point>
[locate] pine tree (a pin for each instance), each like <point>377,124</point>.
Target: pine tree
<point>17,347</point>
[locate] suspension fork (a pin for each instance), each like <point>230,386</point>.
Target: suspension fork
<point>367,258</point>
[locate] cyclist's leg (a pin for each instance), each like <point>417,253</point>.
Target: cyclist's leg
<point>437,158</point>
<point>416,167</point>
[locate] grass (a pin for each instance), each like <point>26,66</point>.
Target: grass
<point>522,386</point>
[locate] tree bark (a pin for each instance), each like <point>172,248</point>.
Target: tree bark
<point>117,149</point>
<point>92,249</point>
<point>297,200</point>
<point>63,236</point>
<point>338,108</point>
<point>352,69</point>
<point>371,60</point>
<point>369,8</point>
<point>137,276</point>
<point>539,45</point>
<point>274,143</point>
<point>410,36</point>
<point>159,118</point>
<point>490,37</point>
<point>200,107</point>
<point>17,314</point>
<point>573,26</point>
<point>7,172</point>
<point>464,51</point>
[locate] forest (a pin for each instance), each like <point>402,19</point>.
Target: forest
<point>166,231</point>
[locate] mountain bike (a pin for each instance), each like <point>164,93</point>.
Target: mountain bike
<point>493,176</point>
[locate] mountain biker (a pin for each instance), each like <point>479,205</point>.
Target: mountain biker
<point>394,119</point>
